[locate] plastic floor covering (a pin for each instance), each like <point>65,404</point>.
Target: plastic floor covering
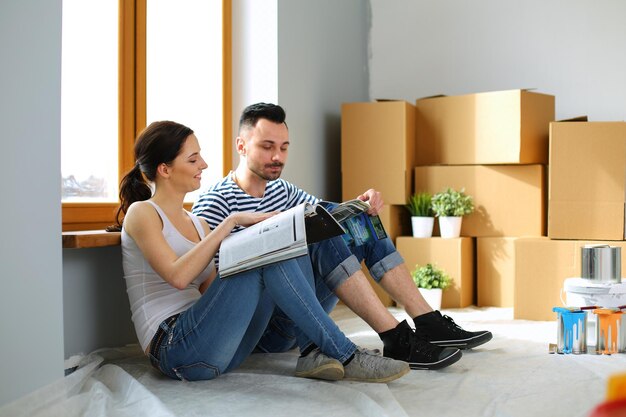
<point>512,375</point>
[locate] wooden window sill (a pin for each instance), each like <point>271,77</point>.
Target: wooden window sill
<point>90,239</point>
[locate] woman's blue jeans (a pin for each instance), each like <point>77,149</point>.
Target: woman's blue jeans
<point>222,328</point>
<point>333,263</point>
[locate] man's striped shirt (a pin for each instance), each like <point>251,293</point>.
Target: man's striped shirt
<point>225,197</point>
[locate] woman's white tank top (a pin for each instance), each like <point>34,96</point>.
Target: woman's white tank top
<point>152,299</point>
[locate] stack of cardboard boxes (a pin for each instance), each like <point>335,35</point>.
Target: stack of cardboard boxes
<point>587,185</point>
<point>494,145</point>
<point>542,189</point>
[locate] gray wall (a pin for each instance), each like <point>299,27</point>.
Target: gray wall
<point>31,305</point>
<point>572,49</point>
<point>322,62</point>
<point>96,312</point>
<point>309,57</point>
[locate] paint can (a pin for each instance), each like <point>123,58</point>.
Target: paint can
<point>601,263</point>
<point>610,331</point>
<point>571,330</point>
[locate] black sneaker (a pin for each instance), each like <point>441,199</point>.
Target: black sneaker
<point>401,343</point>
<point>444,332</point>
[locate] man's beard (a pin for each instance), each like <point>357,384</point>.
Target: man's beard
<point>263,175</point>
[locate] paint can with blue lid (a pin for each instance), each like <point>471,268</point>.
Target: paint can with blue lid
<point>571,330</point>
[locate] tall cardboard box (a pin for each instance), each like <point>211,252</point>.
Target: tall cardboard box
<point>501,127</point>
<point>509,200</point>
<point>495,271</point>
<point>455,256</point>
<point>587,175</point>
<point>378,149</point>
<point>541,268</point>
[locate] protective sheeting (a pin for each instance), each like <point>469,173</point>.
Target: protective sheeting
<point>513,375</point>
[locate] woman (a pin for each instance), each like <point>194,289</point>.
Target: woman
<point>192,324</point>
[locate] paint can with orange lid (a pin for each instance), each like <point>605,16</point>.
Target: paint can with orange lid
<point>610,331</point>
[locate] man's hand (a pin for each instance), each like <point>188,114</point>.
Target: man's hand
<point>375,199</point>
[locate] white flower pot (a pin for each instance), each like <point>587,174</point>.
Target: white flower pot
<point>450,226</point>
<point>432,297</point>
<point>422,226</point>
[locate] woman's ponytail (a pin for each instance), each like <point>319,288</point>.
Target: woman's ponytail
<point>133,187</point>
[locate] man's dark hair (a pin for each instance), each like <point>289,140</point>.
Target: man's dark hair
<point>251,114</point>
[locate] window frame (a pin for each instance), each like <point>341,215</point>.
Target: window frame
<point>132,107</point>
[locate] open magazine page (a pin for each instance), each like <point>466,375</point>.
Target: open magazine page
<point>284,232</point>
<point>349,209</point>
<point>360,226</point>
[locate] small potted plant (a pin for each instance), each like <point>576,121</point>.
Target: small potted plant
<point>450,206</point>
<point>422,215</point>
<point>431,281</point>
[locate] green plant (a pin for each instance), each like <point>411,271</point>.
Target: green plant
<point>429,276</point>
<point>452,203</point>
<point>420,205</point>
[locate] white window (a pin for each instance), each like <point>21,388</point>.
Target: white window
<point>128,63</point>
<point>89,101</point>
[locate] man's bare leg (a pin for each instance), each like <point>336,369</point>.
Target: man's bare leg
<point>399,339</point>
<point>357,293</point>
<point>398,283</point>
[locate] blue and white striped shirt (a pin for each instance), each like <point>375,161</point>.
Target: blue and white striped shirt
<point>225,197</point>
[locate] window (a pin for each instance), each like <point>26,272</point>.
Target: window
<point>184,72</point>
<point>89,122</point>
<point>126,64</point>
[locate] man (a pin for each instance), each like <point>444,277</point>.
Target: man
<point>255,185</point>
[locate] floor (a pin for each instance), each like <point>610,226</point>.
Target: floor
<point>512,375</point>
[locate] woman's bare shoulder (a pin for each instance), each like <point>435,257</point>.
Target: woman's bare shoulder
<point>141,214</point>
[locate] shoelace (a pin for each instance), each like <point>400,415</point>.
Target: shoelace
<point>449,322</point>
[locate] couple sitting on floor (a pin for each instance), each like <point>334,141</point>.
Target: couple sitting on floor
<point>194,326</point>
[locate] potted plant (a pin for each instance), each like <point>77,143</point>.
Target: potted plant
<point>431,281</point>
<point>450,206</point>
<point>422,215</point>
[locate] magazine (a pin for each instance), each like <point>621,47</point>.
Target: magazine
<point>281,237</point>
<point>360,227</point>
<point>287,234</point>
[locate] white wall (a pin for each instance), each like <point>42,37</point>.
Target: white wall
<point>309,58</point>
<point>31,309</point>
<point>572,49</point>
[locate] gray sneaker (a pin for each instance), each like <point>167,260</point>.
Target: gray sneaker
<point>319,366</point>
<point>366,367</point>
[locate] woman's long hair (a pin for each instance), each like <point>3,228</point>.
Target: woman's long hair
<point>158,143</point>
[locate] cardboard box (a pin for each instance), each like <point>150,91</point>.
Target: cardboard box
<point>509,200</point>
<point>542,266</point>
<point>455,256</point>
<point>378,149</point>
<point>502,127</point>
<point>495,271</point>
<point>587,177</point>
<point>396,220</point>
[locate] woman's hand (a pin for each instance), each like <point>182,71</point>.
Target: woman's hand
<point>248,219</point>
